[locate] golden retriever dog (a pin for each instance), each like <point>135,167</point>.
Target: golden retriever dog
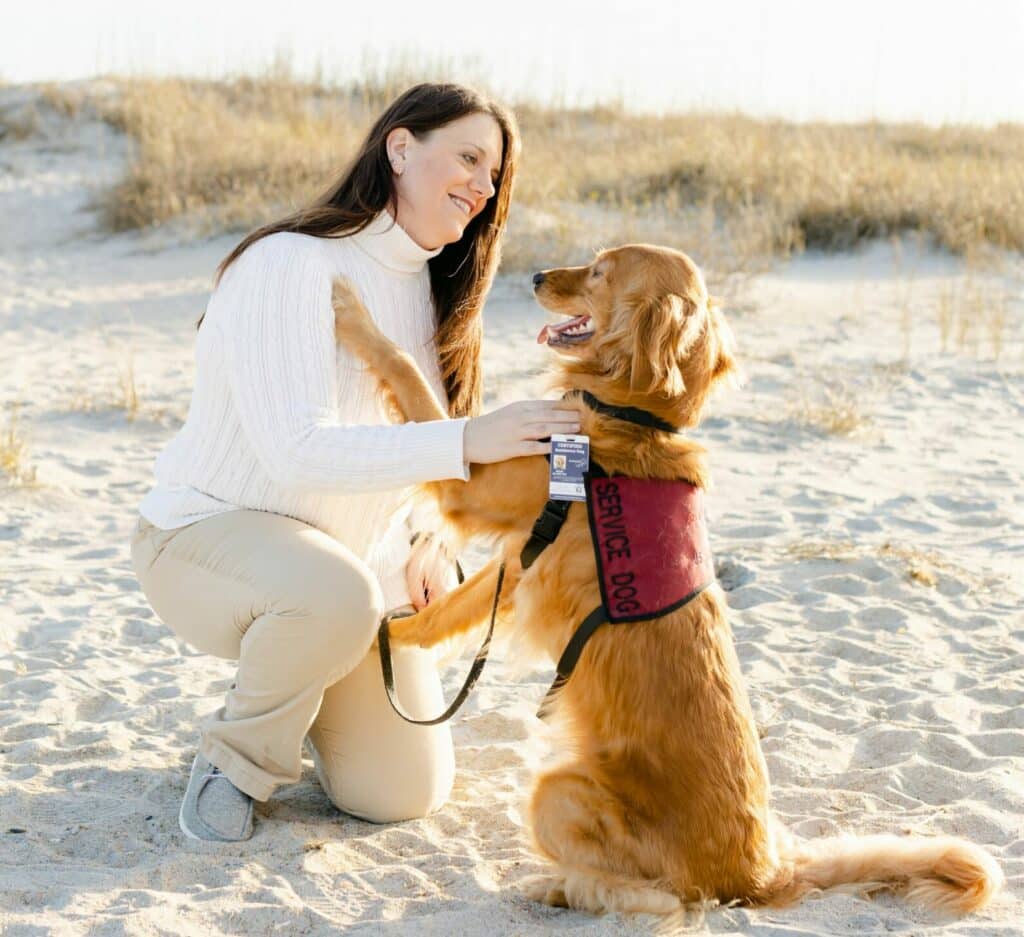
<point>662,798</point>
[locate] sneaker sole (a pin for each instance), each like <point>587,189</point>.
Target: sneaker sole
<point>185,829</point>
<point>181,819</point>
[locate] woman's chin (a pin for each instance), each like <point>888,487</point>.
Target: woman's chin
<point>459,228</point>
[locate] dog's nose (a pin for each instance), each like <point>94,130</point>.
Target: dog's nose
<point>538,278</point>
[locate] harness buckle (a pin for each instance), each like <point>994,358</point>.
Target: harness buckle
<point>545,531</point>
<point>549,522</point>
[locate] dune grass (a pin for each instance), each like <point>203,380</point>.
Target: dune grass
<point>731,190</point>
<point>118,391</point>
<point>14,466</point>
<point>840,411</point>
<point>919,565</point>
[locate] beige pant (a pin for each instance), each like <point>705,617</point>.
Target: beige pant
<point>298,611</point>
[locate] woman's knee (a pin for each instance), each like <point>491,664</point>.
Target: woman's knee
<point>349,605</point>
<point>391,800</point>
<point>385,786</point>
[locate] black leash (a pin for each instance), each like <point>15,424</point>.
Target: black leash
<point>384,641</point>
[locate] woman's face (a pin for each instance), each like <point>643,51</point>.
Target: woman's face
<point>445,179</point>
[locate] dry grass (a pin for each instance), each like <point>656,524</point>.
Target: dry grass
<point>230,156</point>
<point>974,313</point>
<point>14,451</point>
<point>66,101</point>
<point>973,316</point>
<point>729,189</point>
<point>120,393</point>
<point>920,566</point>
<point>839,411</point>
<point>19,124</point>
<point>128,394</point>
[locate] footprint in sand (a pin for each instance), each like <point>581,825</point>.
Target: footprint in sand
<point>136,631</point>
<point>26,731</point>
<point>494,725</point>
<point>750,596</point>
<point>732,574</point>
<point>89,469</point>
<point>842,585</point>
<point>100,553</point>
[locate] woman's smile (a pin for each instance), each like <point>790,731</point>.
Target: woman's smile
<point>465,207</point>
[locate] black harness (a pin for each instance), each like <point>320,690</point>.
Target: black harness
<point>545,531</point>
<point>550,522</point>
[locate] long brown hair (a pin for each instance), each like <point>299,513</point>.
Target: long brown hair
<point>461,275</point>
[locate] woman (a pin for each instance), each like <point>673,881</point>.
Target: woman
<point>279,527</point>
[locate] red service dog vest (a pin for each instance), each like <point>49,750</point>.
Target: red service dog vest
<point>651,544</point>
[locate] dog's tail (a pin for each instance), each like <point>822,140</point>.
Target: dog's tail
<point>941,873</point>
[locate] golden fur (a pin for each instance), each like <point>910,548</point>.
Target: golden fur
<point>663,797</point>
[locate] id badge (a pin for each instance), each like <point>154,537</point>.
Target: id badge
<point>570,458</point>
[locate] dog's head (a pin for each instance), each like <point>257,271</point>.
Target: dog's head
<point>642,330</point>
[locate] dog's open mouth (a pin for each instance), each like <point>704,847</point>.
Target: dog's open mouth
<point>573,332</point>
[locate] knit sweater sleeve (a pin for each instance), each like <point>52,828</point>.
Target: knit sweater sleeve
<point>283,376</point>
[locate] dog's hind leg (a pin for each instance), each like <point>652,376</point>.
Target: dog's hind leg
<point>584,830</point>
<point>598,892</point>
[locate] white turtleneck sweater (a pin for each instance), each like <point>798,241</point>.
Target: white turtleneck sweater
<point>283,420</point>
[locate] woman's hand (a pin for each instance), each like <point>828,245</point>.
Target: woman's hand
<point>514,430</point>
<point>430,571</point>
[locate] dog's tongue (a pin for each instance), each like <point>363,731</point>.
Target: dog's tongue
<point>543,337</point>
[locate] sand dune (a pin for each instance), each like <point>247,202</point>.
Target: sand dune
<point>875,583</point>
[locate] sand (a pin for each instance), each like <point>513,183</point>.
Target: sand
<point>874,581</point>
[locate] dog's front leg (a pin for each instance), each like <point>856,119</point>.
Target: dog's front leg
<point>398,372</point>
<point>457,611</point>
<point>500,498</point>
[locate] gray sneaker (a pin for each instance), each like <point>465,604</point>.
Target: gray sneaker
<point>213,809</point>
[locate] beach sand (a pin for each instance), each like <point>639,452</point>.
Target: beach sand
<point>874,580</point>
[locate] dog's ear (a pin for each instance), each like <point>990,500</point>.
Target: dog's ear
<point>726,366</point>
<point>659,329</point>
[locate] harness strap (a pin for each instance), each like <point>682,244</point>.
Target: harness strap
<point>571,655</point>
<point>549,522</point>
<point>629,414</point>
<point>545,529</point>
<point>384,642</point>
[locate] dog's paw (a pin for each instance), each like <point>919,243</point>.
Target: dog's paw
<point>351,318</point>
<point>545,888</point>
<point>343,296</point>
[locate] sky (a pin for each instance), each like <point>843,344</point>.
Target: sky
<point>937,62</point>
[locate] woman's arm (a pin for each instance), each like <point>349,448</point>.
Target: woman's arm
<point>282,371</point>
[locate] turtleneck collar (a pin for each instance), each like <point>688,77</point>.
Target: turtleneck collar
<point>387,242</point>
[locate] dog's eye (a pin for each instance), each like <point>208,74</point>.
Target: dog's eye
<point>595,272</point>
